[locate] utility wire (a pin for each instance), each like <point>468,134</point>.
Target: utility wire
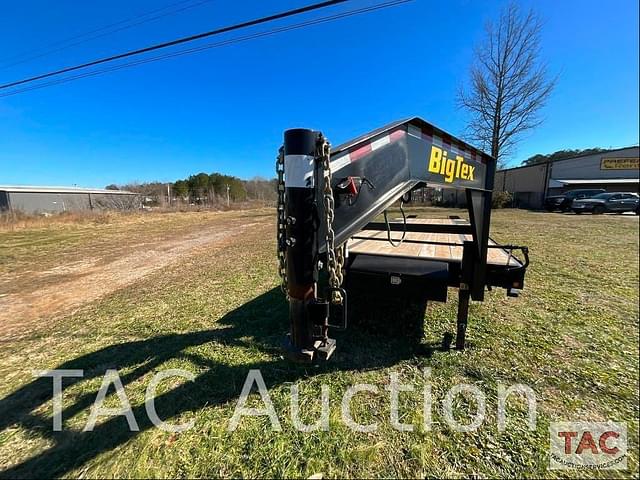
<point>67,45</point>
<point>79,39</point>
<point>210,46</point>
<point>179,41</point>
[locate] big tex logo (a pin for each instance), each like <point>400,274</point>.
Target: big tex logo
<point>448,167</point>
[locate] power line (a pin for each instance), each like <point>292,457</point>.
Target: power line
<point>109,31</point>
<point>179,41</point>
<point>20,57</point>
<point>210,46</point>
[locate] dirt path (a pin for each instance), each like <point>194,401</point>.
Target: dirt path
<point>76,283</point>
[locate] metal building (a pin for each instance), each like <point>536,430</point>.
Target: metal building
<point>613,170</point>
<point>28,199</point>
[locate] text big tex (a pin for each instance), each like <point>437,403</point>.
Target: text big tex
<point>448,167</point>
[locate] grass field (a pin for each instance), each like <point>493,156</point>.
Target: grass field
<point>215,310</point>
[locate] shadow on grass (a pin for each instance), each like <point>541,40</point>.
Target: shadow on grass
<point>263,318</point>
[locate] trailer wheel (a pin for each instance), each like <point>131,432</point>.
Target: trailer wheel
<point>598,210</point>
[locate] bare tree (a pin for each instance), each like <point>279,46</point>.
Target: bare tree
<point>508,84</point>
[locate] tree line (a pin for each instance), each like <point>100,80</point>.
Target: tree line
<point>204,189</point>
<point>561,155</point>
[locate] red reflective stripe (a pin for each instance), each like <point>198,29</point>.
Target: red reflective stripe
<point>398,134</point>
<point>360,152</point>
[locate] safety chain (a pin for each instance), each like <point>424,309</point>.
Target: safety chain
<point>282,224</point>
<point>335,259</point>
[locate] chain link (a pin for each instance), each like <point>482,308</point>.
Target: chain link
<point>335,259</point>
<point>282,225</point>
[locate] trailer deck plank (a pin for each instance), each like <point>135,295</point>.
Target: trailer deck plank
<point>428,250</point>
<point>431,246</point>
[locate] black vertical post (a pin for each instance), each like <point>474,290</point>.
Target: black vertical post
<point>299,152</point>
<point>479,206</point>
<point>545,187</point>
<point>464,292</point>
<point>474,257</point>
<point>463,315</point>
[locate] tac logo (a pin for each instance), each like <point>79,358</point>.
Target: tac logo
<point>588,445</point>
<point>448,167</point>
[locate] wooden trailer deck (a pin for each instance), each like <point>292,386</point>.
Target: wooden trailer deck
<point>430,246</point>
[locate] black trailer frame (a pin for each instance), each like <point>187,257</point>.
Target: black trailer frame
<point>397,270</point>
<point>368,175</point>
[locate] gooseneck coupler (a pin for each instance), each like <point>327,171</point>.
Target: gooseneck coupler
<point>308,315</point>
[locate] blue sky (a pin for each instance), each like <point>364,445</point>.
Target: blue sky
<point>225,109</point>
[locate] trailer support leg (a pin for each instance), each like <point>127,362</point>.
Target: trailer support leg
<point>463,315</point>
<point>469,255</point>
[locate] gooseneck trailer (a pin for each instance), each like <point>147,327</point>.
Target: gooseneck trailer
<point>328,201</point>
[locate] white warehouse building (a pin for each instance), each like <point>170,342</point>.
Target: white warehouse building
<point>37,200</point>
<point>613,170</point>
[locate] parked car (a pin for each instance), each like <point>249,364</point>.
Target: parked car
<point>618,202</point>
<point>563,202</point>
